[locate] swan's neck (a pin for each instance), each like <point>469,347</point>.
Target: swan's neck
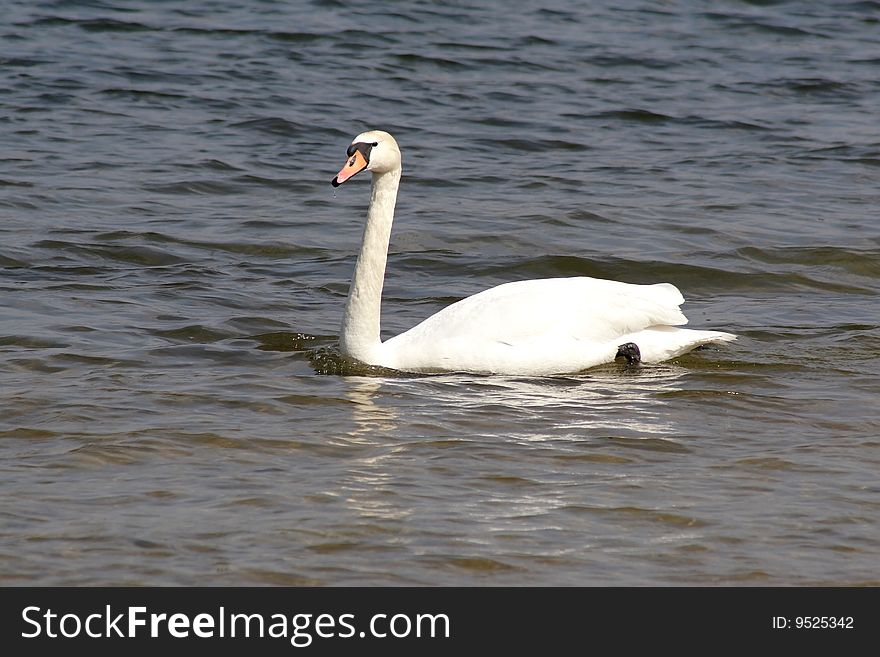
<point>360,324</point>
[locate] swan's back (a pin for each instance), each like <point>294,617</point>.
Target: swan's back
<point>539,326</point>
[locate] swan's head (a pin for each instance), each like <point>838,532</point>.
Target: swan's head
<point>374,151</point>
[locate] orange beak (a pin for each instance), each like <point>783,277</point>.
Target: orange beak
<point>355,164</point>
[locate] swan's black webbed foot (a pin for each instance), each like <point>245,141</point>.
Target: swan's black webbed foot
<point>631,352</point>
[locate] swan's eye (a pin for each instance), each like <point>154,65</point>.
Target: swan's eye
<point>374,144</point>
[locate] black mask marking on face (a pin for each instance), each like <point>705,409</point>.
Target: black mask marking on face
<point>363,147</point>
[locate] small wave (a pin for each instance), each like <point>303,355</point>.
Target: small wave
<point>142,255</point>
<point>12,263</point>
<point>298,38</point>
<point>15,183</point>
<point>414,60</point>
<point>271,250</point>
<point>21,62</point>
<point>741,23</point>
<point>533,145</point>
<point>862,262</point>
<point>31,342</point>
<point>141,93</point>
<point>272,125</point>
<point>666,445</point>
<point>208,187</point>
<point>651,117</point>
<point>868,154</point>
<point>194,333</point>
<point>618,60</point>
<point>819,87</point>
<point>634,115</point>
<point>91,24</point>
<point>211,165</point>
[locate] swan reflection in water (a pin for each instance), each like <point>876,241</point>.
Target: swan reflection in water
<point>370,418</point>
<point>612,400</point>
<point>469,439</point>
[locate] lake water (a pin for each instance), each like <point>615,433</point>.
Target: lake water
<point>174,263</point>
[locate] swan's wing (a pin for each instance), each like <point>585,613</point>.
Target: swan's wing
<point>539,318</point>
<point>586,308</point>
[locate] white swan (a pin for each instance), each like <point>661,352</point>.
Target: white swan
<point>533,327</point>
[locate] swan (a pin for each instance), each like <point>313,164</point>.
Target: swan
<point>531,327</point>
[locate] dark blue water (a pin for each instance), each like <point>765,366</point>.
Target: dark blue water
<point>174,262</point>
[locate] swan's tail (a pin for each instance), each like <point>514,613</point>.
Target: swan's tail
<point>659,343</point>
